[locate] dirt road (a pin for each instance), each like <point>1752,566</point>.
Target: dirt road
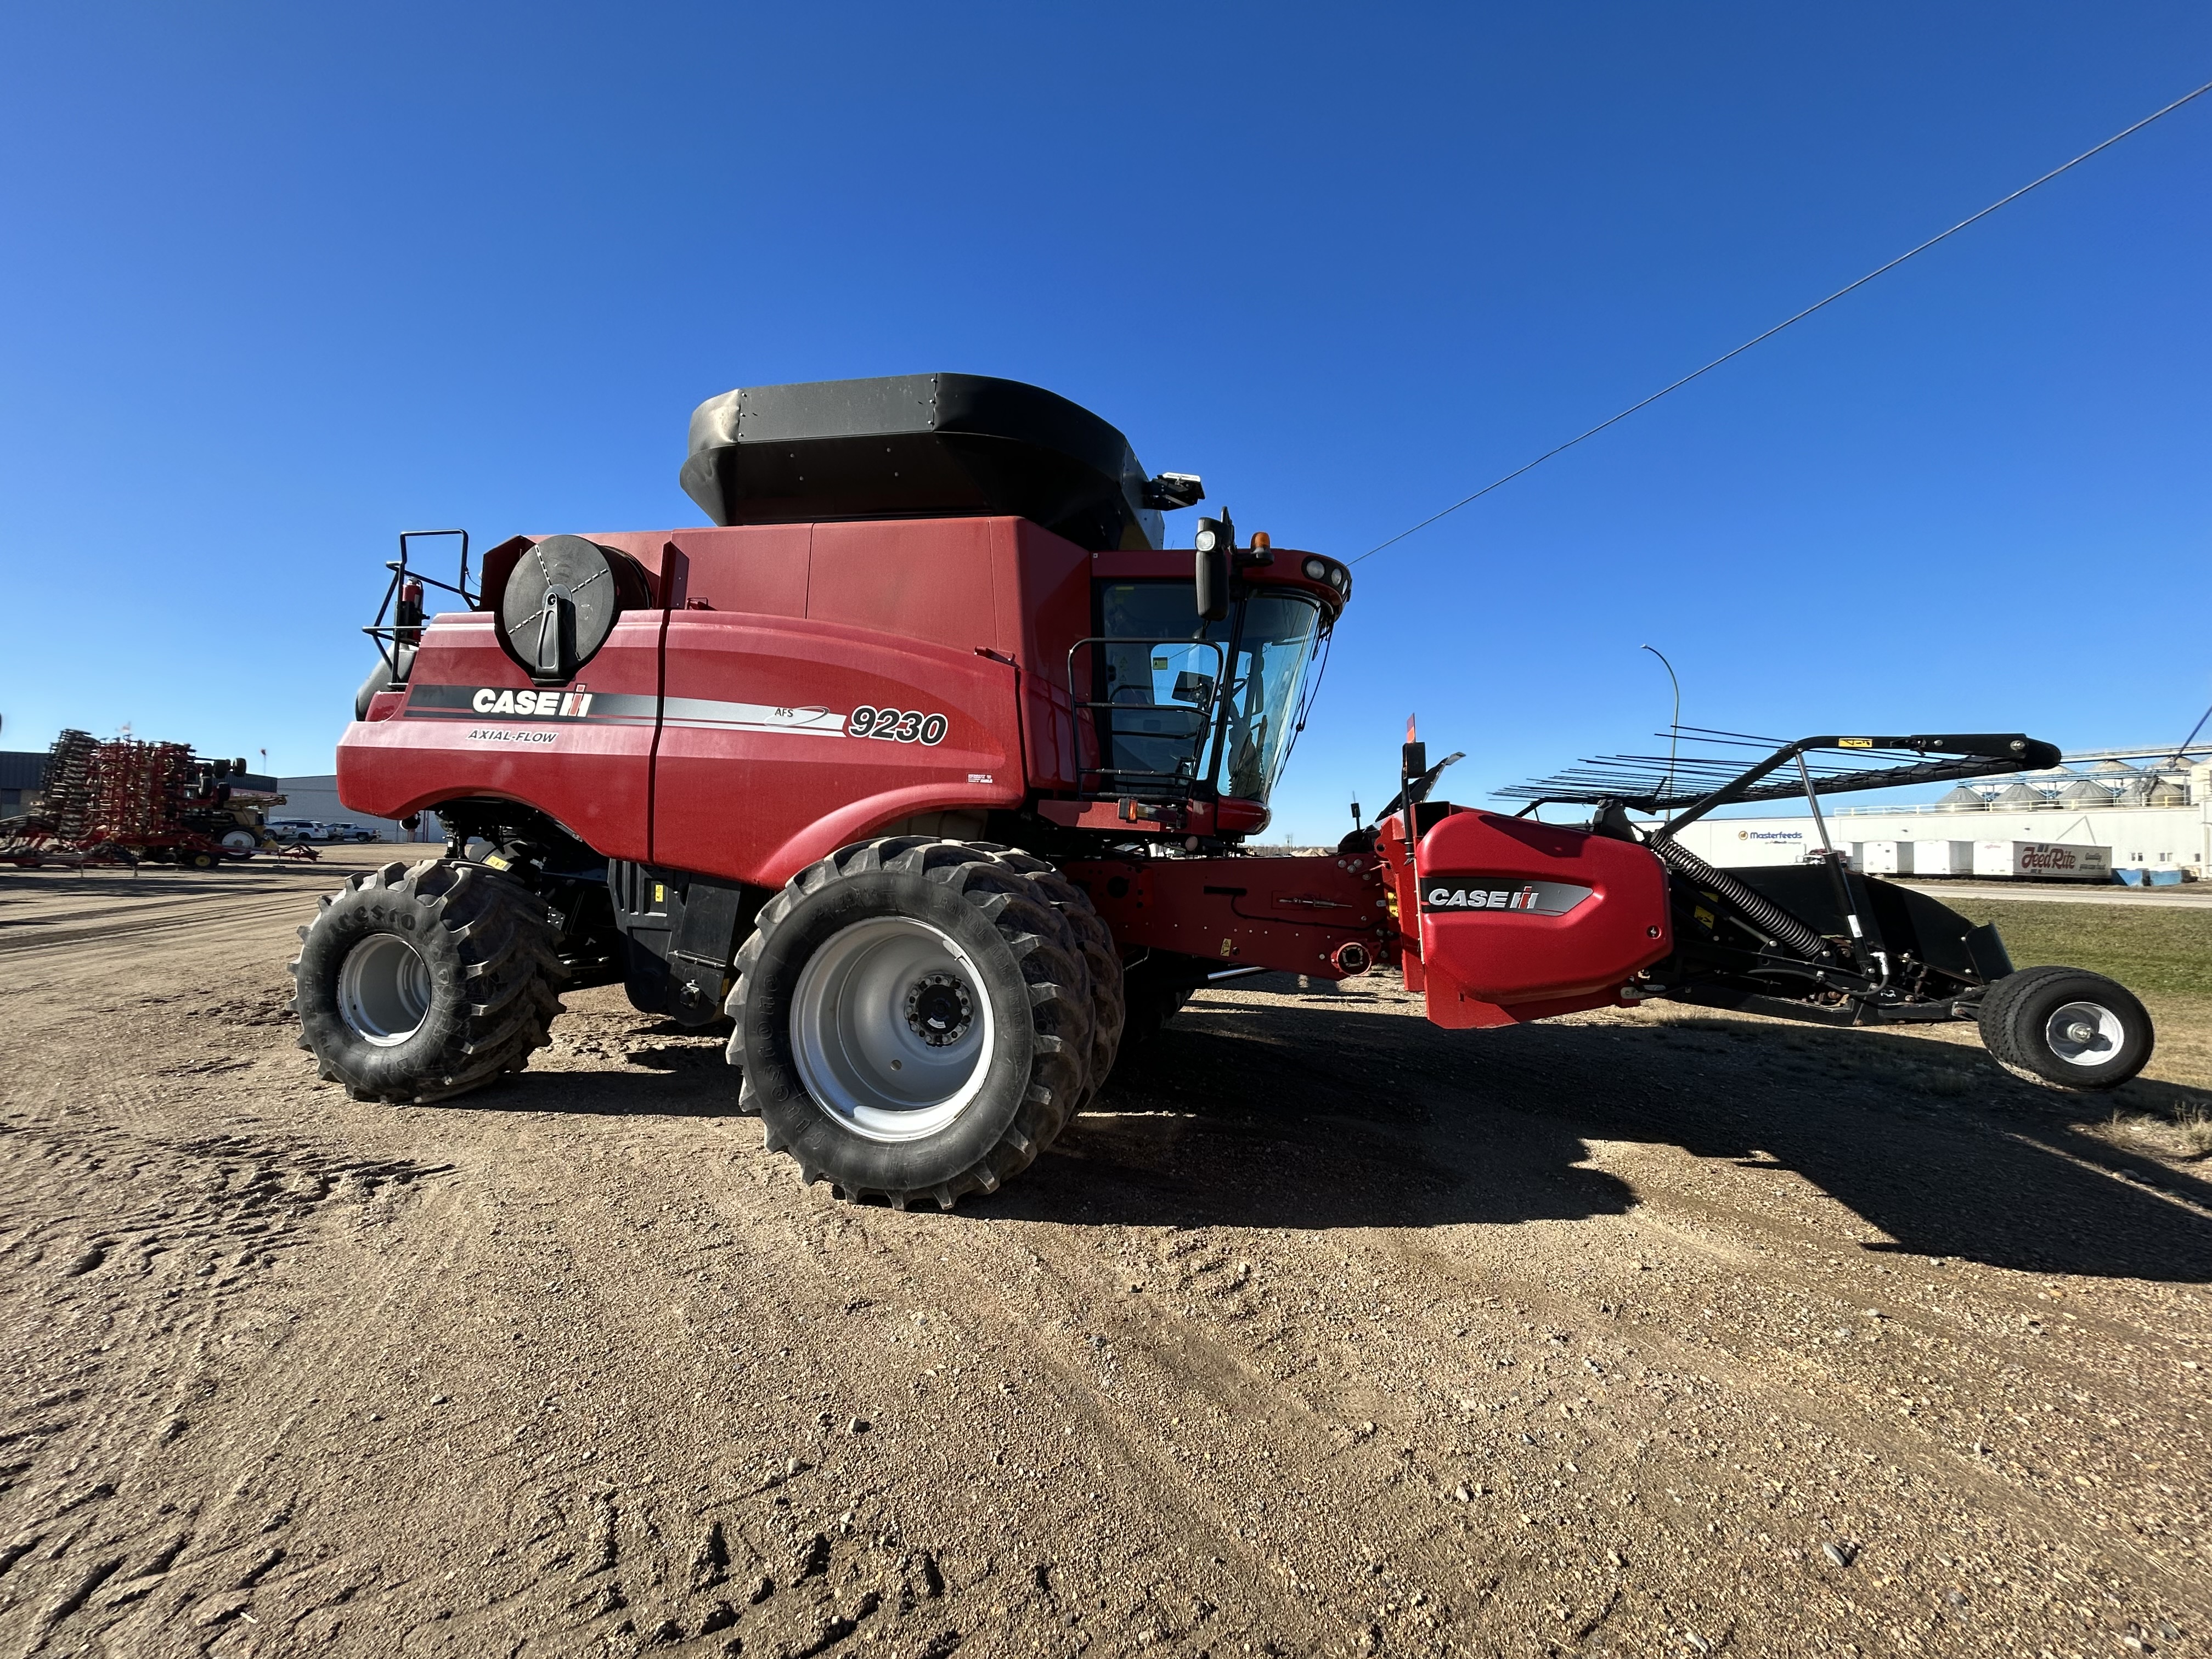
<point>1329,1332</point>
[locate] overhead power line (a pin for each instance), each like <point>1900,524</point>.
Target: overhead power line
<point>1757,338</point>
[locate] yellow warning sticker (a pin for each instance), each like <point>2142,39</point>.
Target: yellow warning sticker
<point>1854,743</point>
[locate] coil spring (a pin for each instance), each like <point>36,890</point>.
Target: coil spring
<point>1763,913</point>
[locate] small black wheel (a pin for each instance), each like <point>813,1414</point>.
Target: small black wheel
<point>413,984</point>
<point>2067,1027</point>
<point>914,1019</point>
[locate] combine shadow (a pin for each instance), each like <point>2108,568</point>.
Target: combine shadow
<point>1321,1111</point>
<point>1294,1116</point>
<point>684,1088</point>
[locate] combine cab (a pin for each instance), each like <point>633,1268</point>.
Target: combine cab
<point>931,769</point>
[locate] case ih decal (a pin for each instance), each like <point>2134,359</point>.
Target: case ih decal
<point>560,705</point>
<point>1542,898</point>
<point>706,713</point>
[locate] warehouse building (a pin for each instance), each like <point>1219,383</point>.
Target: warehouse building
<point>2146,809</point>
<point>19,777</point>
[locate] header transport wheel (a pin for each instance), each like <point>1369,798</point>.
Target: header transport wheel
<point>2066,1027</point>
<point>413,984</point>
<point>914,1019</point>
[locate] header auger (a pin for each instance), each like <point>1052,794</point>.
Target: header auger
<point>931,769</point>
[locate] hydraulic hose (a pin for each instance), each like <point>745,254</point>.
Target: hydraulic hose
<point>1763,913</point>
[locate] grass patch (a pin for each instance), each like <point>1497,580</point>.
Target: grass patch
<point>2153,949</point>
<point>2184,1132</point>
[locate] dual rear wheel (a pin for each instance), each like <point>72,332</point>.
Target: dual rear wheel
<point>418,982</point>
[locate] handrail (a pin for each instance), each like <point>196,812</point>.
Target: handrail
<point>1202,713</point>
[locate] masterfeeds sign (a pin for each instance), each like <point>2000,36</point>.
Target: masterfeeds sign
<point>2043,860</point>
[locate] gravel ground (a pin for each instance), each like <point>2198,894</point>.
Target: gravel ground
<point>1636,1333</point>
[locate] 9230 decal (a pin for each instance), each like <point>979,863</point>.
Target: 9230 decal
<point>898,725</point>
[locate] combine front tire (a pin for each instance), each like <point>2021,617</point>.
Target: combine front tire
<point>913,1018</point>
<point>414,984</point>
<point>2067,1027</point>
<point>1108,1000</point>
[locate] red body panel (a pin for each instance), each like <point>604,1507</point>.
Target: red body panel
<point>592,773</point>
<point>779,634</point>
<point>763,769</point>
<point>1482,957</point>
<point>1292,913</point>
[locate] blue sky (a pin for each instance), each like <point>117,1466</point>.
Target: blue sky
<point>281,281</point>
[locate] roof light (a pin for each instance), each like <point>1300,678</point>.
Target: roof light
<point>1316,570</point>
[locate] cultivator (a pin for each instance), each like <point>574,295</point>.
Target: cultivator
<point>931,770</point>
<point>128,802</point>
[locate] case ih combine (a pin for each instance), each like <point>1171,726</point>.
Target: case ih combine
<point>931,768</point>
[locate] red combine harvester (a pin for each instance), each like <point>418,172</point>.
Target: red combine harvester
<point>931,768</point>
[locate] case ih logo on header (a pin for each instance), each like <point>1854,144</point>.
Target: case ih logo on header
<point>1542,898</point>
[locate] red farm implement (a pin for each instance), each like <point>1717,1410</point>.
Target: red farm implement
<point>127,802</point>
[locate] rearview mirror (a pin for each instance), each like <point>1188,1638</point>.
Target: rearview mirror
<point>1210,567</point>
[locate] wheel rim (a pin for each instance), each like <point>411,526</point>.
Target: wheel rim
<point>383,990</point>
<point>2084,1033</point>
<point>891,1028</point>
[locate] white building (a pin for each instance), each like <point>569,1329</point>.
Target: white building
<point>2147,811</point>
<point>316,799</point>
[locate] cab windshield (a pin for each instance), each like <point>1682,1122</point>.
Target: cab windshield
<point>1167,675</point>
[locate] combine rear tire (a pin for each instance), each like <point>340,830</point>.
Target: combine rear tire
<point>913,1018</point>
<point>416,984</point>
<point>2066,1027</point>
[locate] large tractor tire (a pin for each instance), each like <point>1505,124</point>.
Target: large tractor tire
<point>1109,1003</point>
<point>417,983</point>
<point>2065,1027</point>
<point>913,1018</point>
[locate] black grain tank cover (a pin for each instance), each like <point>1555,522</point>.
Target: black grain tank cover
<point>917,445</point>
